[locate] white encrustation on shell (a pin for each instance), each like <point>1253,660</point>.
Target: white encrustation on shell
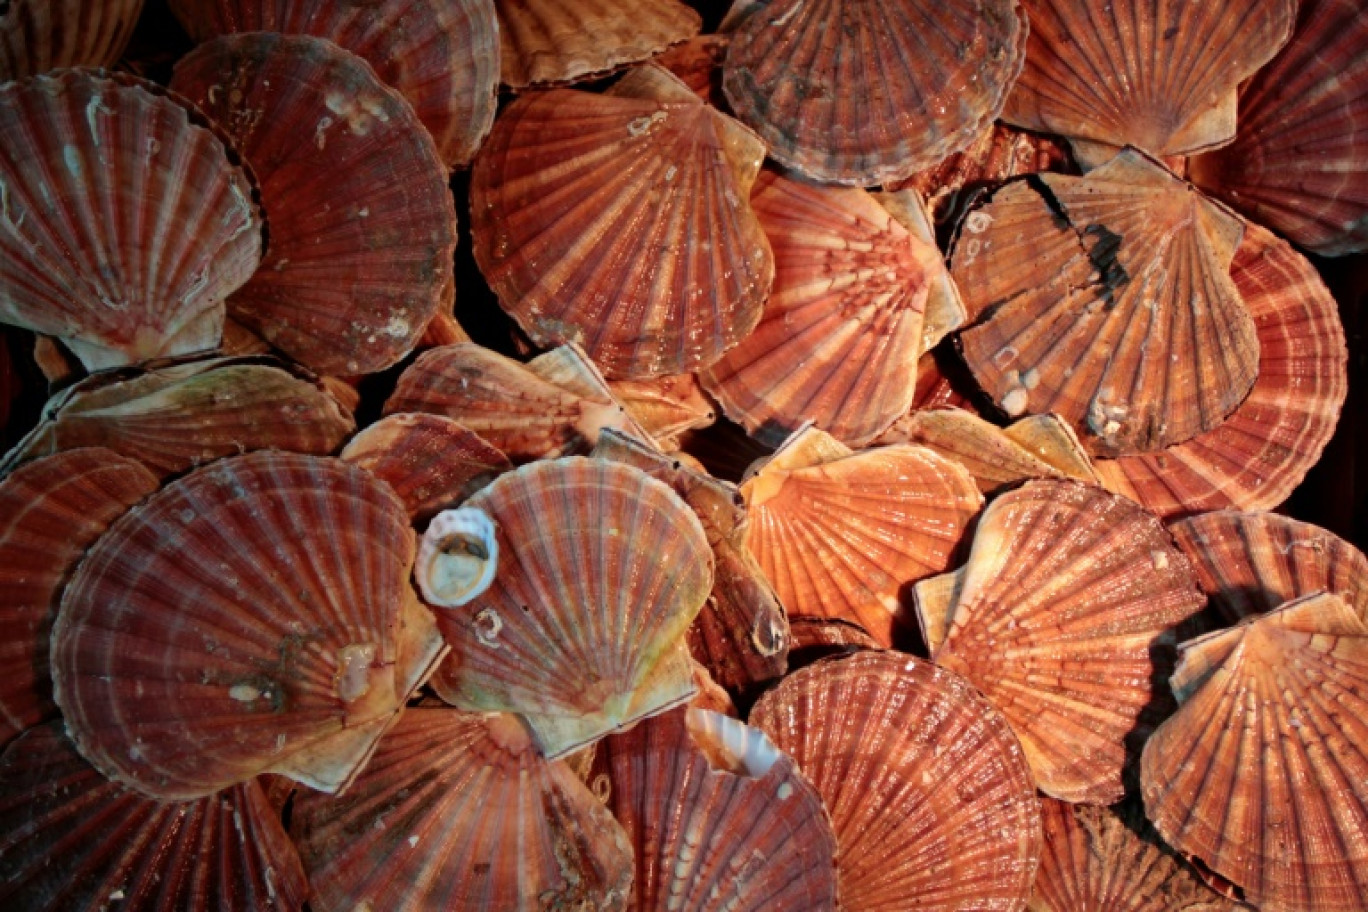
<point>457,557</point>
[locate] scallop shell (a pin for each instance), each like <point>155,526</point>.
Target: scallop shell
<point>123,225</point>
<point>602,569</point>
<point>842,331</point>
<point>51,510</point>
<point>620,221</point>
<point>1078,587</point>
<point>840,533</point>
<point>459,811</point>
<point>71,839</point>
<point>718,818</point>
<point>431,462</point>
<point>665,407</point>
<point>176,417</point>
<point>254,616</point>
<point>363,226</point>
<point>549,41</point>
<point>1264,449</point>
<point>1108,301</point>
<point>41,35</point>
<point>929,793</point>
<point>1261,774</point>
<point>1160,75</point>
<point>1297,162</point>
<point>698,64</point>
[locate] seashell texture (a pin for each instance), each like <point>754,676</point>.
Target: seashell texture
<point>363,226</point>
<point>840,533</point>
<point>665,407</point>
<point>457,557</point>
<point>123,225</point>
<point>1260,774</point>
<point>71,839</point>
<point>843,328</point>
<point>698,64</point>
<point>718,818</point>
<point>51,510</point>
<point>458,811</point>
<point>1107,300</point>
<point>800,75</point>
<point>1259,454</point>
<point>601,570</point>
<point>1077,587</point>
<point>549,41</point>
<point>41,35</point>
<point>443,57</point>
<point>1160,75</point>
<point>175,417</point>
<point>254,616</point>
<point>431,462</point>
<point>620,222</point>
<point>1250,563</point>
<point>928,791</point>
<point>1297,162</point>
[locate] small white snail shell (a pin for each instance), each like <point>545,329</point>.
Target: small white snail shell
<point>457,557</point>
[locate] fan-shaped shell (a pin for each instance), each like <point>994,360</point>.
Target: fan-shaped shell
<point>458,810</point>
<point>70,839</point>
<point>41,35</point>
<point>1297,164</point>
<point>1264,449</point>
<point>1108,300</point>
<point>363,227</point>
<point>621,222</point>
<point>51,510</point>
<point>1160,75</point>
<point>929,793</point>
<point>601,570</point>
<point>549,41</point>
<point>253,616</point>
<point>1261,773</point>
<point>840,533</point>
<point>1067,592</point>
<point>698,64</point>
<point>123,225</point>
<point>718,818</point>
<point>442,56</point>
<point>665,407</point>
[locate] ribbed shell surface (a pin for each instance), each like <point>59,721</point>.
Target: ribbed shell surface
<point>73,841</point>
<point>928,790</point>
<point>622,222</point>
<point>51,510</point>
<point>458,811</point>
<point>1109,302</point>
<point>41,35</point>
<point>235,622</point>
<point>601,570</point>
<point>667,406</point>
<point>1160,75</point>
<point>123,225</point>
<point>1262,451</point>
<point>362,224</point>
<point>1067,593</point>
<point>442,56</point>
<point>1297,163</point>
<point>698,64</point>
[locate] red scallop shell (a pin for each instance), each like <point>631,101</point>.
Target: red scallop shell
<point>41,35</point>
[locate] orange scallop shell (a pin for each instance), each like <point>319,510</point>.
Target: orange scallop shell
<point>666,407</point>
<point>41,35</point>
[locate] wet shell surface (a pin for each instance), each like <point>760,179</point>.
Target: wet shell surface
<point>1108,301</point>
<point>799,74</point>
<point>458,810</point>
<point>51,510</point>
<point>621,221</point>
<point>601,570</point>
<point>718,818</point>
<point>551,41</point>
<point>665,407</point>
<point>1298,162</point>
<point>1259,454</point>
<point>254,616</point>
<point>71,839</point>
<point>928,791</point>
<point>123,225</point>
<point>41,35</point>
<point>1261,774</point>
<point>1160,75</point>
<point>839,533</point>
<point>363,227</point>
<point>1067,592</point>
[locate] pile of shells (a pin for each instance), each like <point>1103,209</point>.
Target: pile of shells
<point>857,496</point>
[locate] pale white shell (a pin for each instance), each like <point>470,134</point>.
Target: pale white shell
<point>457,557</point>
